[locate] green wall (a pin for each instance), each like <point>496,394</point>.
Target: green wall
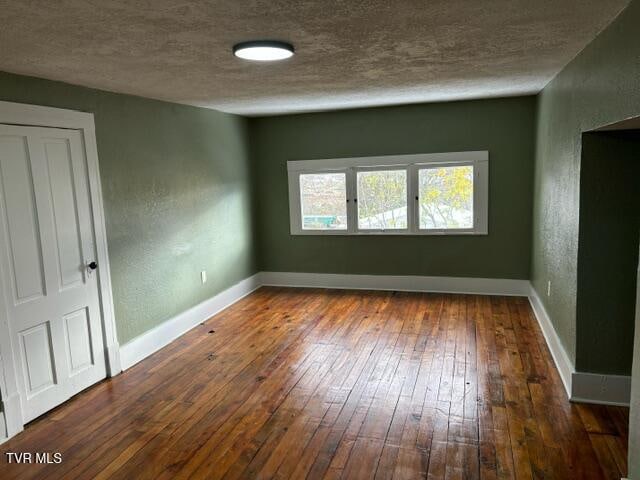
<point>600,86</point>
<point>177,199</point>
<point>178,184</point>
<point>607,251</point>
<point>504,127</point>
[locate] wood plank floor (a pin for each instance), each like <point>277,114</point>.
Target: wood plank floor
<point>337,384</point>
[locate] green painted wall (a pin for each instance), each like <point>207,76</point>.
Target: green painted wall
<point>608,251</point>
<point>177,199</point>
<point>600,86</point>
<point>504,127</point>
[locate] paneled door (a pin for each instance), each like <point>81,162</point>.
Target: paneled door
<point>48,265</point>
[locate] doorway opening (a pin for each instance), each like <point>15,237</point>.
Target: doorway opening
<point>608,241</point>
<point>608,290</point>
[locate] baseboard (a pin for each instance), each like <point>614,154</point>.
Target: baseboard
<point>559,354</point>
<point>410,283</point>
<point>150,342</point>
<point>153,340</point>
<point>581,387</point>
<point>602,389</point>
<point>114,364</point>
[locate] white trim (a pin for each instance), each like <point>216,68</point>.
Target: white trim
<point>12,415</point>
<point>589,388</point>
<point>581,387</point>
<point>33,115</point>
<point>409,283</point>
<point>479,160</point>
<point>559,354</point>
<point>102,252</point>
<point>114,366</point>
<point>153,340</point>
<point>10,411</point>
<point>9,396</point>
<point>150,342</point>
<point>601,389</point>
<point>328,164</point>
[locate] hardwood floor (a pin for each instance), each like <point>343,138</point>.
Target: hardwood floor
<point>337,384</point>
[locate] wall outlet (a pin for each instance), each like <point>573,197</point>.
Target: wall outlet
<point>548,288</point>
<point>203,276</point>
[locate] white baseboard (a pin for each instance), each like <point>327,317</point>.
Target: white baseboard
<point>581,387</point>
<point>153,340</point>
<point>559,354</point>
<point>602,389</point>
<point>114,364</point>
<point>410,283</point>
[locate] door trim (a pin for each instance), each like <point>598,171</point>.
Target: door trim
<point>38,116</point>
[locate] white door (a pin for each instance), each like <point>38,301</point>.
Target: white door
<point>46,247</point>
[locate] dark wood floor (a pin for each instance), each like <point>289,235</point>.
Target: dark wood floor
<point>328,384</point>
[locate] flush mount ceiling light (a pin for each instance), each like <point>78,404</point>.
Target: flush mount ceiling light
<point>263,50</point>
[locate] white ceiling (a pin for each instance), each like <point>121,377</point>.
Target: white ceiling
<point>350,53</point>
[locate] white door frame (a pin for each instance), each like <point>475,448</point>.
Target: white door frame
<point>33,115</point>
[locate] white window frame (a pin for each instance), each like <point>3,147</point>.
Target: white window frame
<point>350,166</point>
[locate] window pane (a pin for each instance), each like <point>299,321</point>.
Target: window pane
<point>323,198</point>
<point>446,197</point>
<point>382,200</point>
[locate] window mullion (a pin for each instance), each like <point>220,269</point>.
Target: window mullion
<point>352,213</point>
<point>412,199</point>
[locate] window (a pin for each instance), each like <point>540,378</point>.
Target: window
<point>382,200</point>
<point>426,194</point>
<point>445,197</point>
<point>323,199</point>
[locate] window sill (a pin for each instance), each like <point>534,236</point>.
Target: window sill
<point>389,233</point>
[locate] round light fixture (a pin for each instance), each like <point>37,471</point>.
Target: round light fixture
<point>263,50</point>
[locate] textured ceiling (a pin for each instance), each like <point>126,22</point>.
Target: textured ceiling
<point>350,53</point>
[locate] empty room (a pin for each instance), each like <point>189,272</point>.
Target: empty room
<point>320,239</point>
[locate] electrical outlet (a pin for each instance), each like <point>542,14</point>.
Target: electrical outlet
<point>203,276</point>
<point>548,288</point>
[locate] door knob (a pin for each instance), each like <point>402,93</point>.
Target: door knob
<point>92,265</point>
